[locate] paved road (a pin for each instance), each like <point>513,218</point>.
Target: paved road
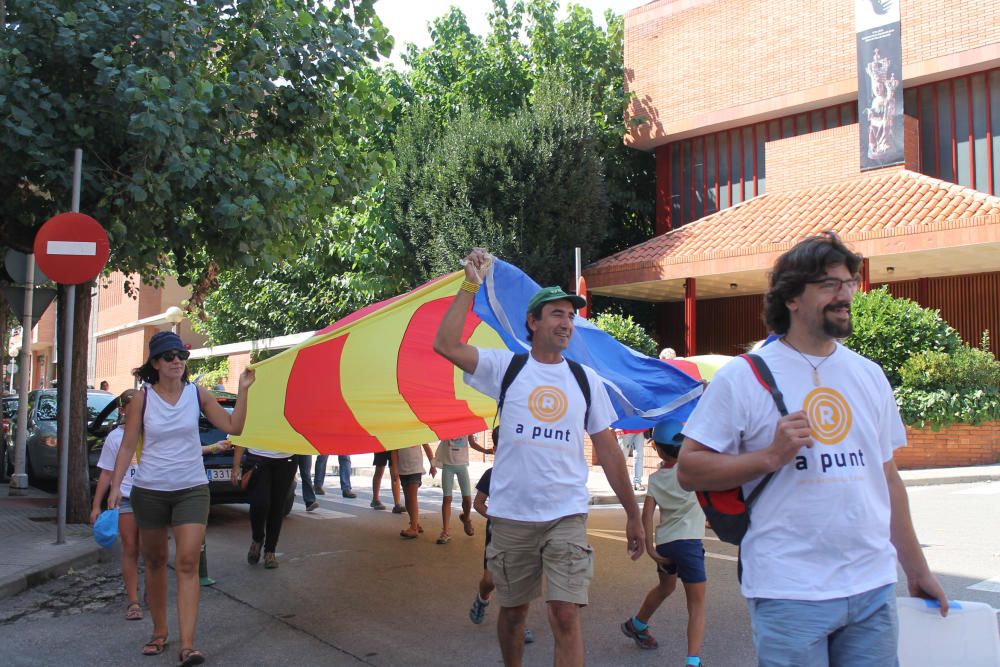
<point>350,592</point>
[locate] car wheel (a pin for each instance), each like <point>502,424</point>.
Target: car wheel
<point>290,500</point>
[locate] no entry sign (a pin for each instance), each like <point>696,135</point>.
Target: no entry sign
<point>72,248</point>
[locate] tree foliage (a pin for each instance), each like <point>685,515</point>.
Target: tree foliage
<point>942,388</point>
<point>889,331</point>
<point>529,187</point>
<point>351,263</point>
<point>627,332</point>
<point>498,75</point>
<point>213,131</point>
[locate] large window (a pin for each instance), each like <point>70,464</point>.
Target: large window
<point>960,129</point>
<point>959,142</point>
<point>715,171</point>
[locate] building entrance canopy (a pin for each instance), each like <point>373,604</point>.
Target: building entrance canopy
<point>906,224</point>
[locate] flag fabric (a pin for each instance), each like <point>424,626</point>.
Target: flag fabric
<point>372,382</point>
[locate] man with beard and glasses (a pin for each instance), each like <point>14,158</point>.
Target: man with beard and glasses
<point>819,558</point>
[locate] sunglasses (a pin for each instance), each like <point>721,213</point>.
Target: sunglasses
<point>174,354</point>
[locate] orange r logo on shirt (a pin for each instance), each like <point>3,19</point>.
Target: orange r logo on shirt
<point>829,415</point>
<point>547,404</point>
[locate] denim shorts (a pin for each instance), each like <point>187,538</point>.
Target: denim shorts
<point>861,629</point>
<point>687,560</point>
<point>159,509</point>
<point>125,506</point>
<point>415,478</point>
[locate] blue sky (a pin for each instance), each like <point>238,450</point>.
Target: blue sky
<point>407,20</point>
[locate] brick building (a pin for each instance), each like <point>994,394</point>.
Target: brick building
<point>121,326</point>
<point>751,110</point>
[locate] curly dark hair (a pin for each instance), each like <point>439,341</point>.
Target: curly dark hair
<point>808,260</point>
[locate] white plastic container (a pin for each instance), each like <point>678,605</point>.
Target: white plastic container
<point>968,637</point>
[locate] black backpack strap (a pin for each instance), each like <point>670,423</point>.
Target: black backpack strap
<point>515,366</point>
<point>766,378</point>
<point>581,379</point>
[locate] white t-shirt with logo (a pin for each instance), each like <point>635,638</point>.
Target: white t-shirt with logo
<point>109,453</point>
<point>820,529</point>
<point>540,473</point>
<point>452,452</point>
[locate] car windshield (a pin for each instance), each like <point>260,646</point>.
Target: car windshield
<point>46,410</point>
<point>9,408</point>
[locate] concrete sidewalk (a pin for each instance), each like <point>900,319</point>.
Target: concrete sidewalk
<point>28,548</point>
<point>30,555</point>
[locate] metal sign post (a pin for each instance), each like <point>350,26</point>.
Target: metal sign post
<point>66,368</point>
<point>19,480</point>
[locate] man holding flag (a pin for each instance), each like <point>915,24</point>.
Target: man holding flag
<point>539,498</point>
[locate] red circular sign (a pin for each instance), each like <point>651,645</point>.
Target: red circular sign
<point>72,248</point>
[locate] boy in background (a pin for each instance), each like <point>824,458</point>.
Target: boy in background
<point>478,610</point>
<point>678,550</point>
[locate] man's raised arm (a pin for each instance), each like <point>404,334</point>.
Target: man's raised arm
<point>448,341</point>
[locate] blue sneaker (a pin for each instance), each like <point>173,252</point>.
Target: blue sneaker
<point>529,637</point>
<point>642,637</point>
<point>478,610</point>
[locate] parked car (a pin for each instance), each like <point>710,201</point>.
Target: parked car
<point>218,467</point>
<point>42,454</point>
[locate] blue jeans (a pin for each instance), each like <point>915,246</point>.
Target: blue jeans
<point>860,630</point>
<point>637,444</point>
<point>305,474</point>
<point>345,471</point>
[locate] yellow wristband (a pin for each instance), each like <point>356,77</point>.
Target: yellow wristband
<point>469,286</point>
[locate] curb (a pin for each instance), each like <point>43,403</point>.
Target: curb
<point>957,479</point>
<point>612,499</point>
<point>56,567</point>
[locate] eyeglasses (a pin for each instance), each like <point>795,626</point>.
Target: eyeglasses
<point>833,285</point>
<point>175,354</point>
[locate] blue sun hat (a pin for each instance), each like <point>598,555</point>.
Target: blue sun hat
<point>668,432</point>
<point>106,528</point>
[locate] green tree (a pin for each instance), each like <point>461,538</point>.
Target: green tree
<point>627,332</point>
<point>529,187</point>
<point>889,331</point>
<point>214,133</point>
<point>496,76</point>
<point>350,264</point>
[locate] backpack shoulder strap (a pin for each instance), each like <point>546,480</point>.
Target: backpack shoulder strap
<point>581,379</point>
<point>766,379</point>
<point>515,366</point>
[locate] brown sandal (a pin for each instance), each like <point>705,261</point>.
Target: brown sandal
<point>467,522</point>
<point>133,612</point>
<point>155,646</point>
<point>190,656</point>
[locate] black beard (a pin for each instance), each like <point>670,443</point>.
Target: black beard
<point>834,330</point>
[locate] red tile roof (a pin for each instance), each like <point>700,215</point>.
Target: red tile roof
<point>876,205</point>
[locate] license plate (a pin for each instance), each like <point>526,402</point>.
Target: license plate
<point>219,474</point>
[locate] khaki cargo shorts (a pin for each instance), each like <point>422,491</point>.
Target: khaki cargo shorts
<point>522,552</point>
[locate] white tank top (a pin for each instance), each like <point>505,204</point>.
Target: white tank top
<point>171,446</point>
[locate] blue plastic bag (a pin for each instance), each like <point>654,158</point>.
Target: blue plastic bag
<point>106,528</point>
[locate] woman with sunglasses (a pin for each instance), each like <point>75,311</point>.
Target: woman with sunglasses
<point>127,528</point>
<point>170,488</point>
